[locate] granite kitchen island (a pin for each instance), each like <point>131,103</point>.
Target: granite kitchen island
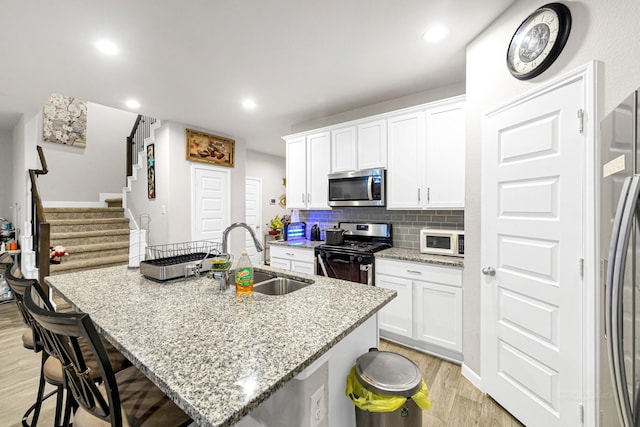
<point>219,355</point>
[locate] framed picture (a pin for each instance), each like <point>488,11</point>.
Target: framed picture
<point>208,148</point>
<point>151,171</point>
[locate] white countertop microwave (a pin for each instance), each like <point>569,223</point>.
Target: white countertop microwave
<point>442,242</point>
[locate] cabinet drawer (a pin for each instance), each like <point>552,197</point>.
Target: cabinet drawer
<point>292,254</point>
<point>419,271</point>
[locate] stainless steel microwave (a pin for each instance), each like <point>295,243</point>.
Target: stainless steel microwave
<point>442,242</point>
<point>357,188</point>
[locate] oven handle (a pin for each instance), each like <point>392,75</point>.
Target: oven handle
<point>367,268</point>
<point>324,269</point>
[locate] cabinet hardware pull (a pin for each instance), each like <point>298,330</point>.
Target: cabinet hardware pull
<point>414,271</point>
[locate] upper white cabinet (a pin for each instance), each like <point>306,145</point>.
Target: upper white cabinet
<point>445,132</point>
<point>422,149</point>
<point>308,164</point>
<point>404,174</point>
<point>344,150</point>
<point>372,145</point>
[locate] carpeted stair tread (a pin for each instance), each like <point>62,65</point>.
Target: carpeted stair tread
<point>87,264</point>
<point>82,221</point>
<point>114,203</point>
<point>97,247</point>
<point>92,233</point>
<point>62,213</point>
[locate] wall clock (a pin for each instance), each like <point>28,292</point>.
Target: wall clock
<point>538,41</point>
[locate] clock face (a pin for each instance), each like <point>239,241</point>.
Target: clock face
<point>538,41</point>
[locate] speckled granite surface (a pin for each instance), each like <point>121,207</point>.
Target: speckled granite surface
<point>297,243</point>
<point>218,355</point>
<point>414,255</point>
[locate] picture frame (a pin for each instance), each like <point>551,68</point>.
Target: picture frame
<point>208,148</point>
<point>151,172</point>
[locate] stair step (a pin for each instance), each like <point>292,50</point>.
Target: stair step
<point>114,203</point>
<point>88,237</point>
<point>71,213</point>
<point>87,264</point>
<point>96,250</point>
<point>87,224</point>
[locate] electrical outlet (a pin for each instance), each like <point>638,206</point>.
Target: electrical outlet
<point>317,409</point>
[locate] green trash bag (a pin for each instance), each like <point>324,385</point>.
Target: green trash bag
<point>372,402</point>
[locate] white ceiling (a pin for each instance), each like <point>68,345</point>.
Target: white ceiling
<point>193,61</point>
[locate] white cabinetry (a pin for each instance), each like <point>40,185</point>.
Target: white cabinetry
<point>344,150</point>
<point>308,164</point>
<point>404,174</point>
<point>298,260</point>
<point>427,313</point>
<point>372,144</point>
<point>445,140</point>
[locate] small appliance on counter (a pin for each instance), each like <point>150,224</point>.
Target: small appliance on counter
<point>442,242</point>
<point>315,233</point>
<point>295,231</point>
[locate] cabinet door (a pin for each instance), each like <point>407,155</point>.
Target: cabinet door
<point>302,267</point>
<point>343,150</point>
<point>296,173</point>
<point>318,167</point>
<point>281,263</point>
<point>438,314</point>
<point>372,145</point>
<point>445,127</point>
<point>396,316</point>
<point>404,172</point>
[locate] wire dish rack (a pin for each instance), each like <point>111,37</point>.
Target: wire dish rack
<point>166,262</point>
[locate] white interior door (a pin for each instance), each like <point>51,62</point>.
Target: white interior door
<point>210,201</point>
<point>532,246</point>
<point>253,217</point>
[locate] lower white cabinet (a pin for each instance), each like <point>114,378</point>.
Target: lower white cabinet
<point>298,260</point>
<point>427,312</point>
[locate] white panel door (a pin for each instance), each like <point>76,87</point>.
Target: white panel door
<point>253,217</point>
<point>532,234</point>
<point>210,201</point>
<point>438,314</point>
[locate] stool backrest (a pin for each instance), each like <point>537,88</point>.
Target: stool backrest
<point>61,333</point>
<point>18,286</point>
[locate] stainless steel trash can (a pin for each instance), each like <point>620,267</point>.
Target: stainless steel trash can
<point>389,374</point>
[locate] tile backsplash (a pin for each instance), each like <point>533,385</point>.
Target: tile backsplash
<point>406,224</point>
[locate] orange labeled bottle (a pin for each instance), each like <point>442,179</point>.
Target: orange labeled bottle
<point>244,275</point>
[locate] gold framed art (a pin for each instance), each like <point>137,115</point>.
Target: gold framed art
<point>208,148</point>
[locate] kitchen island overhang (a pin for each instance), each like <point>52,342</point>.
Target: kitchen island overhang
<point>216,354</point>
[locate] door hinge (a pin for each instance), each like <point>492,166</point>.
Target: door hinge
<point>581,410</point>
<point>581,267</point>
<point>581,121</point>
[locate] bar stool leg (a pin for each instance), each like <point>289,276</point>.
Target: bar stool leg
<point>40,398</point>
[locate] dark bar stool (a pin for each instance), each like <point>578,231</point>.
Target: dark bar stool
<point>50,367</point>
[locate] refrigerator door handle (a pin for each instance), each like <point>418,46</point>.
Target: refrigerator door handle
<point>615,279</point>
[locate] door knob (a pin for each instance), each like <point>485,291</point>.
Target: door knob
<point>488,271</point>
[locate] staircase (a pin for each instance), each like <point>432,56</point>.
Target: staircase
<point>93,237</point>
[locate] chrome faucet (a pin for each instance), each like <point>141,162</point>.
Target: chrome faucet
<point>256,242</point>
<point>224,277</point>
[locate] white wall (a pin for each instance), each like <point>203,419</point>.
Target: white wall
<point>6,175</point>
<point>173,188</point>
<point>602,30</point>
<point>271,169</point>
<point>81,174</point>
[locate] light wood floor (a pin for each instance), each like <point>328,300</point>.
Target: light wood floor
<point>454,400</point>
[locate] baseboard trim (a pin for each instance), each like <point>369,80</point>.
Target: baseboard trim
<point>474,378</point>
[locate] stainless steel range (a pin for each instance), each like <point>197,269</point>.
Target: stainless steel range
<point>353,260</point>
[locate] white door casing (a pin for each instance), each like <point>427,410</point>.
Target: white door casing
<point>533,228</point>
<point>210,202</point>
<point>253,217</point>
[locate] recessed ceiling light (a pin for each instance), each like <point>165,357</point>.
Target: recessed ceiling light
<point>107,47</point>
<point>132,103</point>
<point>435,34</point>
<point>249,104</point>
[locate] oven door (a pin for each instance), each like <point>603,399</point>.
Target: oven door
<point>346,266</point>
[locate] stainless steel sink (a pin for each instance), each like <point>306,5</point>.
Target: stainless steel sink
<point>279,286</point>
<point>261,276</point>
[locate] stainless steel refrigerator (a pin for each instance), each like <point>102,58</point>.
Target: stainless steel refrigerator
<point>620,270</point>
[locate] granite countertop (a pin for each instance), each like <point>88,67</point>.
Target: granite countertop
<point>414,255</point>
<point>297,243</point>
<point>217,354</point>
